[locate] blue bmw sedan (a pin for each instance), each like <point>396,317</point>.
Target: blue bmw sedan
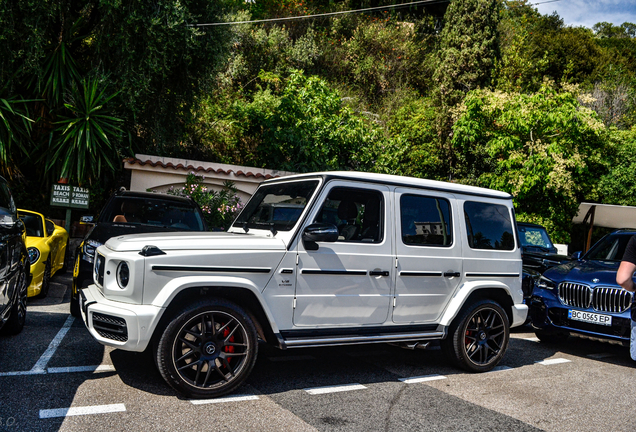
<point>581,298</point>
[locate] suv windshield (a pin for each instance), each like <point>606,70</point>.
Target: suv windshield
<point>148,211</point>
<point>277,206</point>
<point>535,236</point>
<point>609,248</point>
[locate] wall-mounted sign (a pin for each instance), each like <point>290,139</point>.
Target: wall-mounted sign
<point>63,195</point>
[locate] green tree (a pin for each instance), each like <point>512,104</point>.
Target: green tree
<point>545,149</point>
<point>467,53</point>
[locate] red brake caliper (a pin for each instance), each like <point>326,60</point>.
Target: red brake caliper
<point>228,349</point>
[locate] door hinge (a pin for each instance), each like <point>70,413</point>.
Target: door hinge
<point>394,299</point>
<point>296,259</point>
<point>396,262</point>
<point>294,306</point>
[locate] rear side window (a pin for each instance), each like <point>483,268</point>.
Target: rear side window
<point>489,226</point>
<point>426,221</point>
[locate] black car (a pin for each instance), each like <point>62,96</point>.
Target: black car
<point>128,212</point>
<point>15,271</point>
<point>538,251</point>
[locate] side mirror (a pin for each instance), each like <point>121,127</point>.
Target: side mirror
<point>576,255</point>
<point>319,232</point>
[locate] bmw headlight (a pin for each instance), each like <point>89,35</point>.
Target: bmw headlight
<point>34,254</point>
<point>88,250</point>
<point>123,274</point>
<point>545,283</point>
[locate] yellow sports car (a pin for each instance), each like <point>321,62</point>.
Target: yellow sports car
<point>46,244</point>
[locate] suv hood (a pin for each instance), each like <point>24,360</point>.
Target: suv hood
<point>589,272</point>
<point>194,241</point>
<point>101,232</point>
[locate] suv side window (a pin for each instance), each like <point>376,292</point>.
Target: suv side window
<point>426,221</point>
<point>356,212</point>
<point>489,226</point>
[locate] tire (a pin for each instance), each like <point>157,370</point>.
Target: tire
<point>551,337</point>
<point>478,338</point>
<point>15,323</point>
<point>46,280</point>
<point>209,363</point>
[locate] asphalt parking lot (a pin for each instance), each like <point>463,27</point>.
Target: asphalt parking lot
<point>54,376</point>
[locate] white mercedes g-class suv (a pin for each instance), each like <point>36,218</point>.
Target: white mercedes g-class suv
<point>314,260</point>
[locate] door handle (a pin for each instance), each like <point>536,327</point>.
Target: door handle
<point>378,273</point>
<point>452,274</point>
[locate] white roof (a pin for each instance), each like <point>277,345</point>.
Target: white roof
<point>608,216</point>
<point>405,181</point>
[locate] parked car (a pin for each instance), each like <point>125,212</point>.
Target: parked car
<point>14,265</point>
<point>582,298</point>
<point>353,258</point>
<point>128,212</point>
<point>538,254</point>
<point>47,245</point>
<point>538,251</point>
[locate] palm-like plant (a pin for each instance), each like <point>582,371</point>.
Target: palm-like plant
<point>15,130</point>
<point>88,138</point>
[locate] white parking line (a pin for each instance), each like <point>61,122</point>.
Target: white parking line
<point>70,369</point>
<point>75,411</point>
<point>40,366</point>
<point>532,339</point>
<point>553,361</point>
<point>500,369</point>
<point>237,398</point>
<point>19,373</point>
<point>334,389</point>
<point>291,358</point>
<point>420,379</point>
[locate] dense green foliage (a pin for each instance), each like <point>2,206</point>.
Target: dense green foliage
<point>483,92</point>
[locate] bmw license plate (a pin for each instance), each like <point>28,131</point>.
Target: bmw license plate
<point>590,317</point>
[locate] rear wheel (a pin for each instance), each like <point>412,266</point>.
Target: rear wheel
<point>208,349</point>
<point>46,279</point>
<point>478,338</point>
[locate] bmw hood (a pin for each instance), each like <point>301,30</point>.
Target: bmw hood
<point>194,241</point>
<point>588,272</point>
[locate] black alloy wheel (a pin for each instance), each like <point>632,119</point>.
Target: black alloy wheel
<point>15,323</point>
<point>478,338</point>
<point>208,349</point>
<point>46,280</point>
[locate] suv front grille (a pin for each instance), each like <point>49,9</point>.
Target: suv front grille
<point>110,327</point>
<point>612,300</point>
<point>576,295</point>
<point>602,299</point>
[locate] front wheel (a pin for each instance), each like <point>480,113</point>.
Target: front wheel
<point>478,337</point>
<point>15,323</point>
<point>208,349</point>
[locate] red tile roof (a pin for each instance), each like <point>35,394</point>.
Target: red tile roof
<point>133,161</point>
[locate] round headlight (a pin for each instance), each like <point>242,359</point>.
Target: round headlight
<point>34,254</point>
<point>123,274</point>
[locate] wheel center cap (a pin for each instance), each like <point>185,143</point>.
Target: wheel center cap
<point>482,335</point>
<point>210,349</point>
